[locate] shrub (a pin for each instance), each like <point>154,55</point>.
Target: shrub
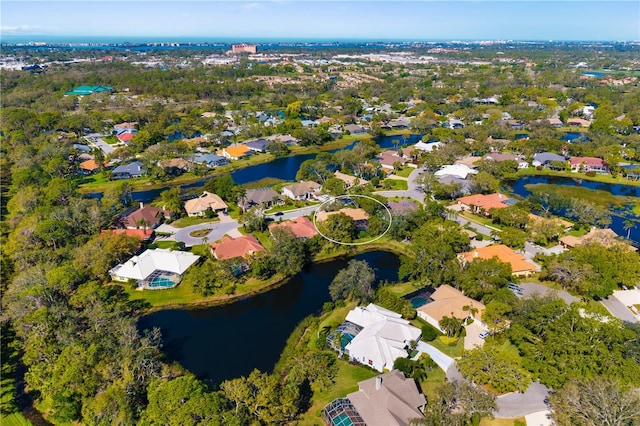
<point>429,333</point>
<point>590,173</point>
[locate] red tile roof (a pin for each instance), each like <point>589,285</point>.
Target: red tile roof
<point>301,227</point>
<point>486,202</point>
<point>142,234</point>
<point>230,248</point>
<point>587,161</point>
<point>517,261</point>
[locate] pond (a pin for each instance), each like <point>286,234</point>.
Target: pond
<point>618,217</point>
<point>225,342</point>
<point>284,168</point>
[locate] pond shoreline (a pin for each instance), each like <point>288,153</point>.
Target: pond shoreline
<point>273,283</point>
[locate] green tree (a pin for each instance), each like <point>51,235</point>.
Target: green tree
<point>452,326</point>
<point>499,369</point>
<point>340,227</point>
<point>353,282</point>
<point>181,401</point>
<point>485,276</point>
<point>254,219</point>
<point>596,401</point>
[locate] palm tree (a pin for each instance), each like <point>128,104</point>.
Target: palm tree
<point>629,225</point>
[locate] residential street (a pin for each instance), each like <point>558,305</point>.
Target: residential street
<point>520,404</point>
<point>94,140</point>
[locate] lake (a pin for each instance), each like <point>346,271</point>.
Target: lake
<point>284,168</point>
<point>225,342</point>
<point>618,216</point>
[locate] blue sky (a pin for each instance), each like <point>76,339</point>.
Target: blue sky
<point>380,20</point>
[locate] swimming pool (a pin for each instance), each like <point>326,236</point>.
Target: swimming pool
<point>419,297</point>
<point>161,282</point>
<point>418,301</point>
<point>342,419</point>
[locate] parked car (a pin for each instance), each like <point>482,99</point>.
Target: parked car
<point>278,214</point>
<point>484,334</point>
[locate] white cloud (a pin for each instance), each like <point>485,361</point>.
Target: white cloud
<point>25,29</point>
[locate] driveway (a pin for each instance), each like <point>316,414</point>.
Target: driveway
<point>517,404</point>
<point>533,288</point>
<point>473,339</point>
<point>95,141</point>
<point>530,250</point>
<point>443,361</point>
<point>292,214</point>
<point>618,309</point>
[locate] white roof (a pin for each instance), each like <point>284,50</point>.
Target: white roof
<point>384,335</point>
<point>427,146</point>
<point>458,170</point>
<point>140,267</point>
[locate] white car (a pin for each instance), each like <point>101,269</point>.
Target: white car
<point>484,334</point>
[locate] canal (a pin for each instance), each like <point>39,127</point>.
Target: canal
<point>224,342</point>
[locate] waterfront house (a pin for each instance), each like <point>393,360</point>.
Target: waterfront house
<point>257,145</point>
<point>210,160</point>
<point>402,207</point>
<point>547,159</point>
<point>354,129</point>
<point>128,171</point>
<point>383,337</point>
<point>588,164</point>
<point>303,190</point>
<point>262,197</point>
<point>390,399</point>
<point>236,152</point>
<point>350,180</point>
<point>447,301</point>
<point>301,227</point>
<point>460,171</point>
<point>359,216</point>
<point>241,247</point>
<point>605,237</point>
<point>155,269</point>
<point>427,147</point>
<point>482,203</point>
<point>89,166</point>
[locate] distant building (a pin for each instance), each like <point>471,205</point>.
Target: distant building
<point>128,171</point>
<point>520,266</point>
<point>301,227</point>
<point>237,49</point>
<point>482,203</point>
<point>301,190</point>
<point>88,90</point>
<point>262,197</point>
<point>145,217</point>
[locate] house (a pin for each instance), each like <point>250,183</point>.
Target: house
<point>144,217</point>
<point>350,180</point>
<point>302,227</point>
<point>126,135</point>
<point>128,171</point>
<point>359,216</point>
<point>460,171</point>
<point>236,152</point>
<point>89,166</point>
<point>453,123</point>
<point>384,337</point>
<point>482,203</point>
<point>206,201</point>
<point>399,123</point>
<point>125,126</point>
<point>520,266</point>
<point>257,145</point>
<point>588,164</point>
<point>555,122</point>
<point>155,269</point>
<point>545,159</point>
<point>402,207</point>
<point>389,160</point>
<point>231,248</point>
<point>446,301</point>
<point>578,122</point>
<point>469,161</point>
<point>263,197</point>
<point>354,129</point>
<point>499,157</point>
<point>286,139</point>
<point>605,237</point>
<point>142,234</point>
<point>174,166</point>
<point>210,160</point>
<point>427,147</point>
<point>465,186</point>
<point>303,190</point>
<point>390,399</point>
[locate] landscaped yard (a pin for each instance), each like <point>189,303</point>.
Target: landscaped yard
<point>395,185</point>
<point>404,172</point>
<point>453,351</point>
<point>503,422</point>
<point>346,382</point>
<point>183,222</point>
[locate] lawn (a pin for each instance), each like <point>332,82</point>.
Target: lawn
<point>173,245</point>
<point>395,185</point>
<point>453,351</point>
<point>502,422</point>
<point>183,222</point>
<point>435,378</point>
<point>10,414</point>
<point>404,172</point>
<point>402,289</point>
<point>346,381</point>
<point>14,419</point>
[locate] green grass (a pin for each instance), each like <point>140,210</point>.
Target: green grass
<point>395,185</point>
<point>501,422</point>
<point>183,222</point>
<point>402,289</point>
<point>404,172</point>
<point>173,245</point>
<point>452,351</point>
<point>111,140</point>
<point>435,378</point>
<point>14,419</point>
<point>606,178</point>
<point>346,381</point>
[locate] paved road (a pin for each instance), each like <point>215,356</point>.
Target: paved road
<point>520,404</point>
<point>218,230</point>
<point>95,141</point>
<point>443,361</point>
<point>532,288</point>
<point>618,309</point>
<point>292,214</point>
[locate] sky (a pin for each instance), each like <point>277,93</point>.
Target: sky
<point>327,20</point>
